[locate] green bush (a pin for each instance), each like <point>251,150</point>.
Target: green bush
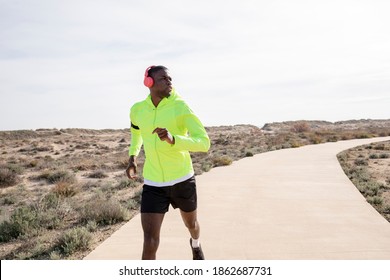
<point>248,154</point>
<point>375,200</point>
<point>74,240</point>
<point>370,189</point>
<point>23,221</point>
<point>222,160</point>
<point>206,166</point>
<point>31,219</point>
<point>104,212</point>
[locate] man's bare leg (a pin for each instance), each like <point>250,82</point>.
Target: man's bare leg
<point>191,222</point>
<point>151,225</point>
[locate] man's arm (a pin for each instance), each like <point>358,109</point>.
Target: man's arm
<point>198,140</point>
<point>134,149</point>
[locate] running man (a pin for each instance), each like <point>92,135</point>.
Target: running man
<point>169,130</point>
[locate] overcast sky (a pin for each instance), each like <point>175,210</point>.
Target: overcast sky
<point>80,63</point>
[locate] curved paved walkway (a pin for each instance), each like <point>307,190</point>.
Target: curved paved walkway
<point>286,204</point>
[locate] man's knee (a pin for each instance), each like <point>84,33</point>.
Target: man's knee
<point>151,242</point>
<point>191,224</point>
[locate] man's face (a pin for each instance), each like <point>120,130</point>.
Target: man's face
<point>162,83</point>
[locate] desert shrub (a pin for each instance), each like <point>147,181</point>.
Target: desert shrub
<point>30,220</point>
<point>9,175</point>
<point>132,204</point>
<point>55,255</point>
<point>16,168</point>
<point>50,219</point>
<point>137,196</point>
<point>126,183</point>
<point>295,144</point>
<point>98,174</point>
<point>23,221</point>
<point>364,135</point>
<point>42,149</point>
<point>9,200</point>
<point>315,139</point>
<point>375,200</point>
<point>33,163</point>
<point>49,212</point>
<point>222,160</point>
<point>206,166</point>
<point>373,156</point>
<point>380,147</point>
<point>384,156</point>
<point>48,201</point>
<point>74,240</point>
<point>56,176</point>
<point>91,226</point>
<point>369,189</point>
<point>358,174</point>
<point>84,165</point>
<point>8,231</point>
<point>122,163</point>
<point>332,138</point>
<point>361,161</point>
<point>92,184</point>
<point>347,136</point>
<point>343,157</point>
<point>300,127</point>
<point>104,212</point>
<point>65,189</point>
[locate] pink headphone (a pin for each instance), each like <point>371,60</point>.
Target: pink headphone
<point>148,81</point>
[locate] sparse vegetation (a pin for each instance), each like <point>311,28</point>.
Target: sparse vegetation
<point>63,191</point>
<point>368,171</point>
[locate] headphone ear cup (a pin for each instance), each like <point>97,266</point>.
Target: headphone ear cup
<point>148,82</point>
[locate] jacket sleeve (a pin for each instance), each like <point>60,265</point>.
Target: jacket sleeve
<point>136,137</point>
<point>197,140</point>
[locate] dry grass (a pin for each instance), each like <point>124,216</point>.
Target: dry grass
<point>368,167</point>
<point>64,191</point>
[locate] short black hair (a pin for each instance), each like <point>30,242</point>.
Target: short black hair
<point>155,69</point>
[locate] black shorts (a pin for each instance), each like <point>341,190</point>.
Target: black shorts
<point>181,195</point>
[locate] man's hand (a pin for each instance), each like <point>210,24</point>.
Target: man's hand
<point>131,169</point>
<point>164,135</point>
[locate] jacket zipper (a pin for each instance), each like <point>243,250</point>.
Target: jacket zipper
<point>155,145</point>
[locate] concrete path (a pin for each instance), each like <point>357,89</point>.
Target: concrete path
<point>282,205</point>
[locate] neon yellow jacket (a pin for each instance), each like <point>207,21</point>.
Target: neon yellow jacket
<point>166,164</point>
